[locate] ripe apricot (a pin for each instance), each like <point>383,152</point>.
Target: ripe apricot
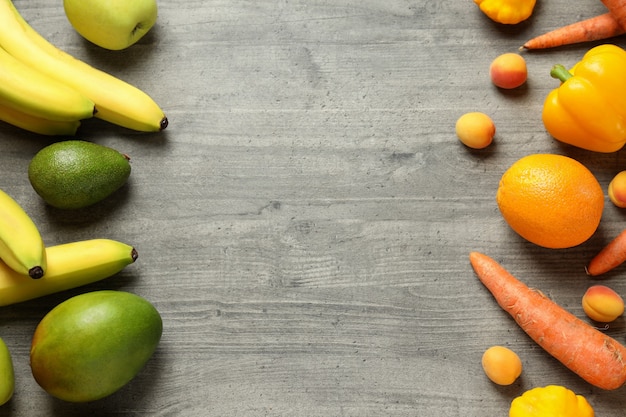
<point>617,190</point>
<point>501,365</point>
<point>602,304</point>
<point>475,130</point>
<point>508,71</point>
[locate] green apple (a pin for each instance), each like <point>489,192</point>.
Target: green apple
<point>111,24</point>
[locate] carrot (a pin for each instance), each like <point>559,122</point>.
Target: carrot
<point>610,257</point>
<point>617,8</point>
<point>592,355</point>
<point>600,27</point>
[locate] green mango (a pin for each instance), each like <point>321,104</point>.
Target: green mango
<point>73,174</point>
<point>7,376</point>
<point>93,344</point>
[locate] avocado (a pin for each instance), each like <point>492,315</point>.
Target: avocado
<point>93,344</point>
<point>73,174</point>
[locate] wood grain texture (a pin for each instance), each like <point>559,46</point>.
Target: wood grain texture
<point>304,223</point>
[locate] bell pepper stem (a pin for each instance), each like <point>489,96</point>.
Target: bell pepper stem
<point>560,72</point>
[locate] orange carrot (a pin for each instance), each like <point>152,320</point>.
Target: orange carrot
<point>610,257</point>
<point>596,28</point>
<point>597,358</point>
<point>617,8</point>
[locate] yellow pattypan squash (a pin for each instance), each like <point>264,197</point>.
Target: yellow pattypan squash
<point>550,401</point>
<point>507,11</point>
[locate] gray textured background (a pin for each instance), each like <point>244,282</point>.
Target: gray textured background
<point>304,223</point>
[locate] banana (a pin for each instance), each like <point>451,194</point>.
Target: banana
<point>37,94</point>
<point>35,124</point>
<point>70,265</point>
<point>116,101</point>
<point>21,245</point>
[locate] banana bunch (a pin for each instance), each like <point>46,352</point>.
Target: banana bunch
<point>28,269</point>
<point>47,91</point>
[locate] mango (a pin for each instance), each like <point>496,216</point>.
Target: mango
<point>7,375</point>
<point>92,344</point>
<point>74,174</point>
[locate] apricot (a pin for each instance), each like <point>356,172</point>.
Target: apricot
<point>501,365</point>
<point>508,71</point>
<point>617,190</point>
<point>602,304</point>
<point>475,130</point>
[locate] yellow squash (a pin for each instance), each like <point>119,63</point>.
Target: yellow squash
<point>550,401</point>
<point>508,12</point>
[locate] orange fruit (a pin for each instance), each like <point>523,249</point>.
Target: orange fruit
<point>551,200</point>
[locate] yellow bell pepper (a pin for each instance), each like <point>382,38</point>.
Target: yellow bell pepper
<point>588,110</point>
<point>550,401</point>
<point>507,11</point>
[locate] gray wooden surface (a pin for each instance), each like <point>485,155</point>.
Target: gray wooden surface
<point>304,223</point>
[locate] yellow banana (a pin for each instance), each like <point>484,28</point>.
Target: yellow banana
<point>116,101</point>
<point>21,246</point>
<point>37,94</point>
<point>35,124</point>
<point>70,265</point>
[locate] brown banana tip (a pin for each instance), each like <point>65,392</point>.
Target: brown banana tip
<point>134,255</point>
<point>36,272</point>
<point>95,110</point>
<point>163,124</point>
